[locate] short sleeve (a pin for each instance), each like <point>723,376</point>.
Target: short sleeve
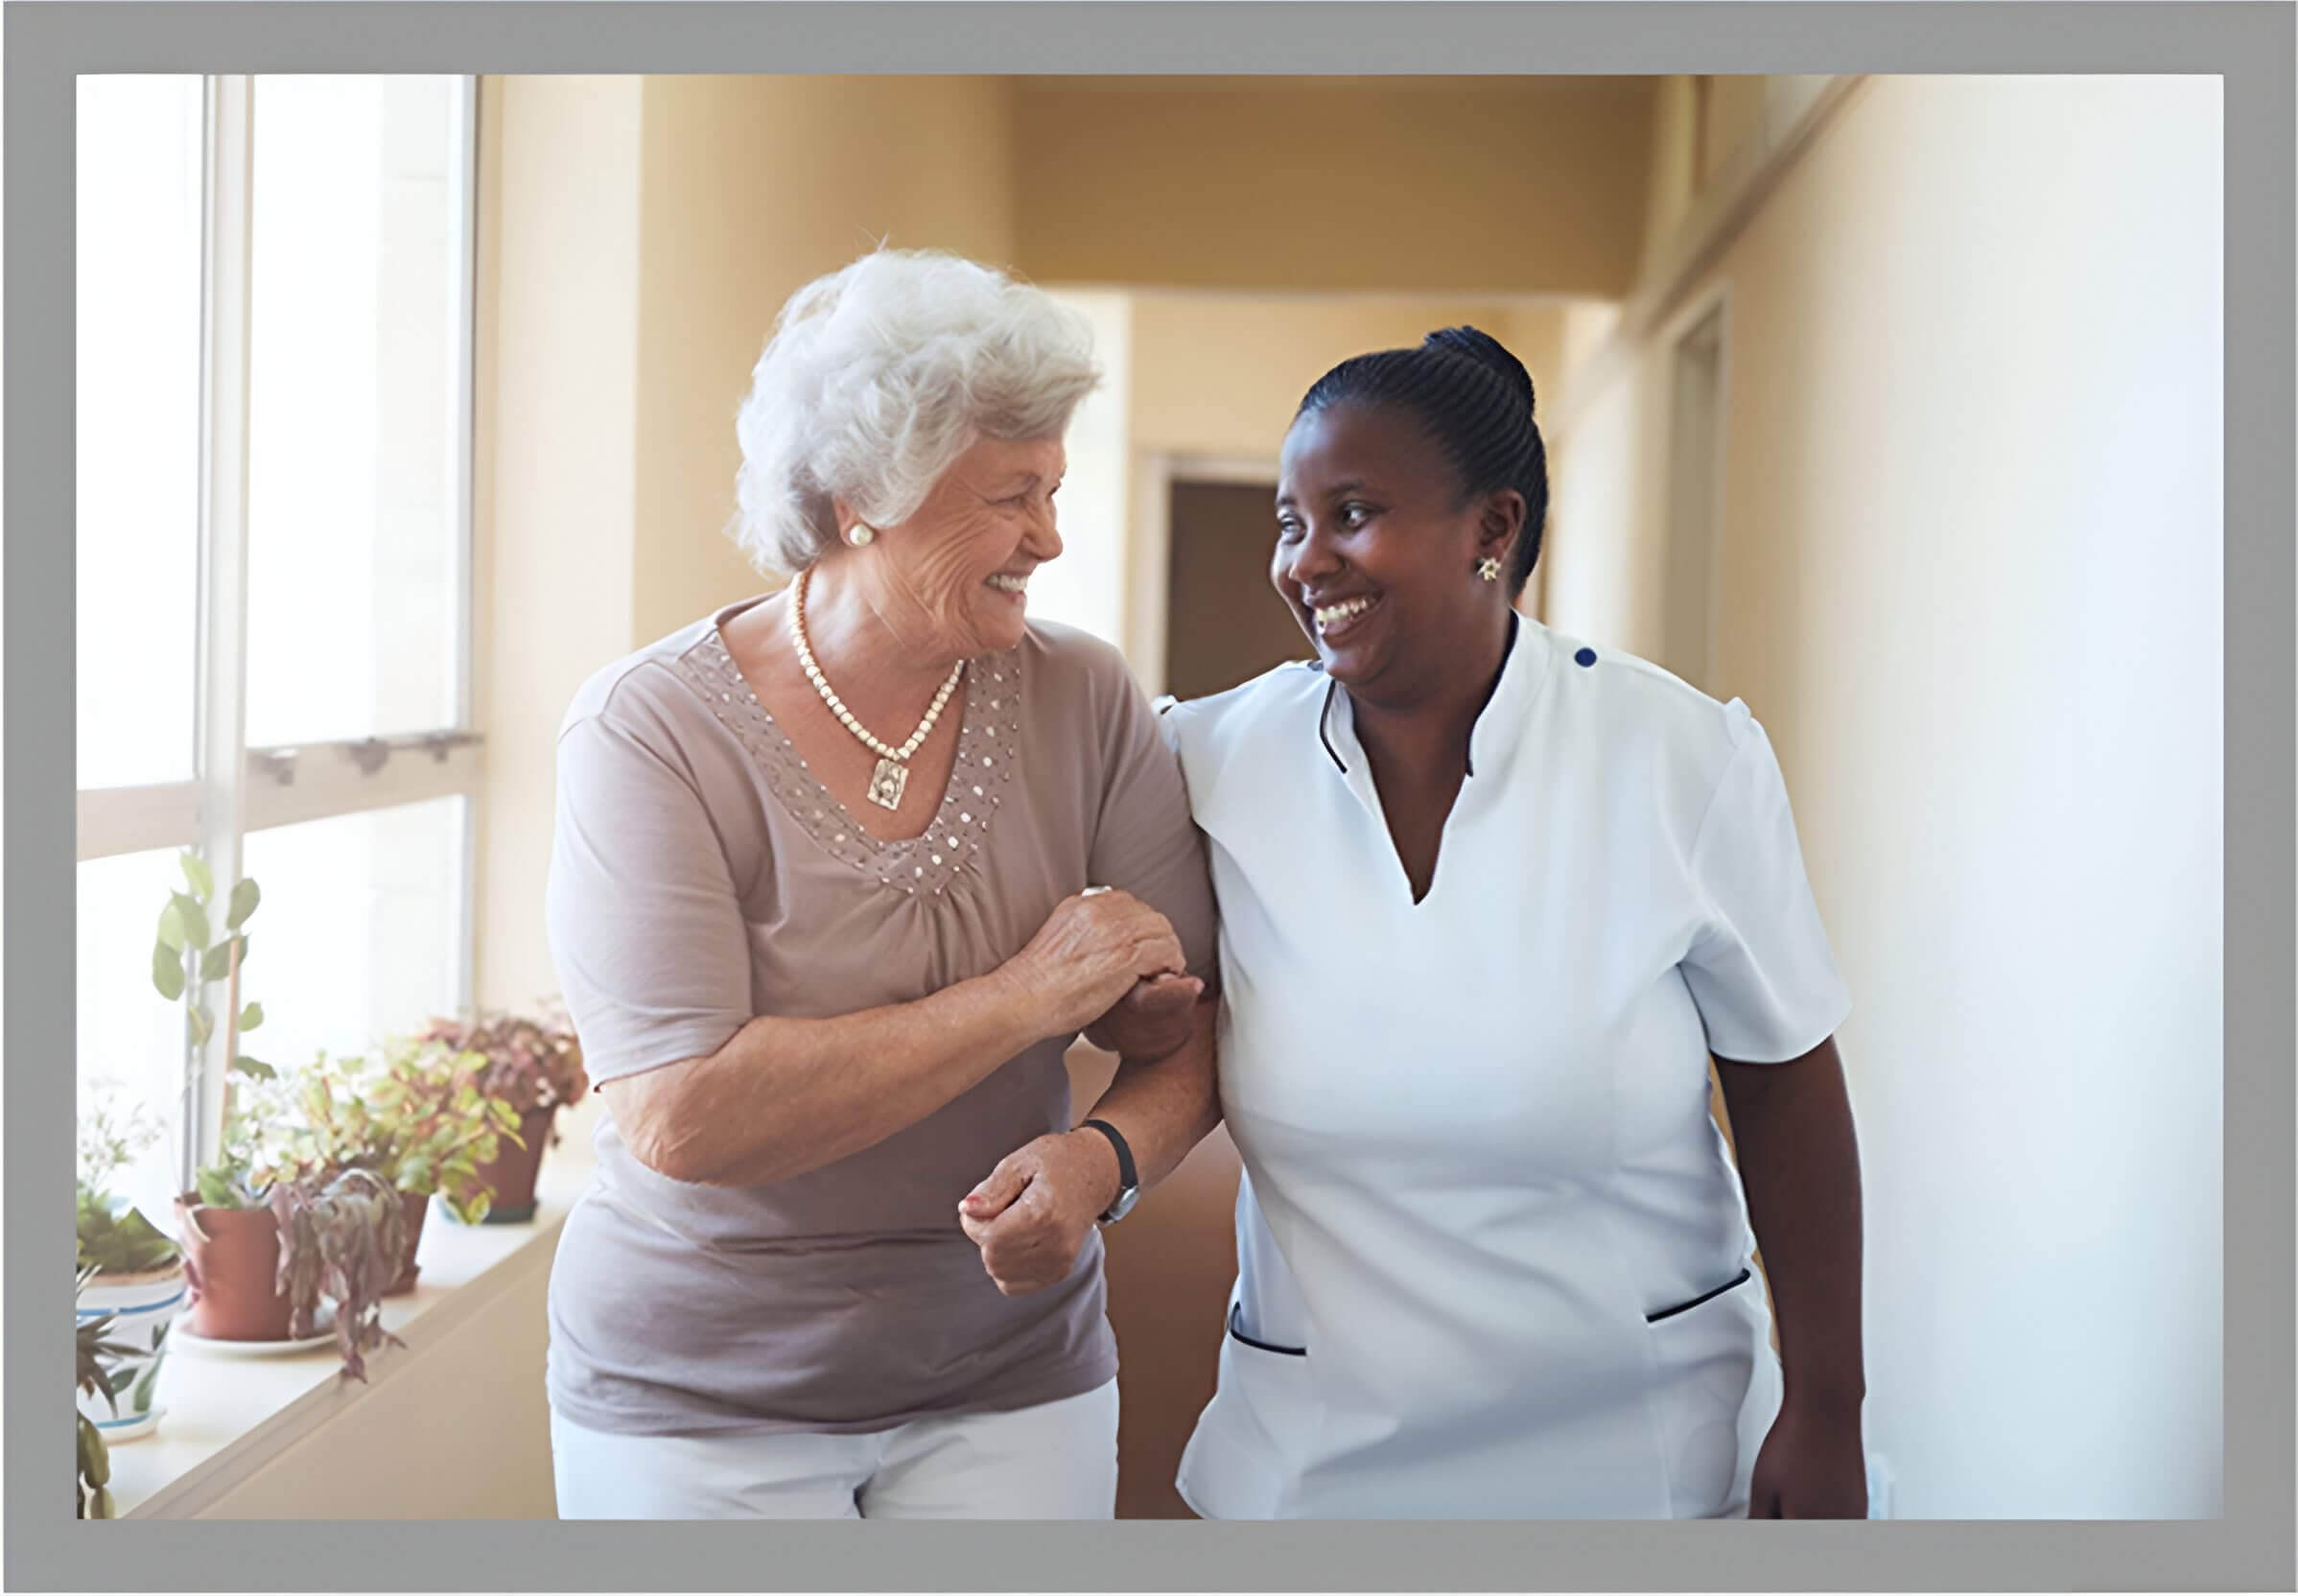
<point>653,956</point>
<point>1760,971</point>
<point>1144,841</point>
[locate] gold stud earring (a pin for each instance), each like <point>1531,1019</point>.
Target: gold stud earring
<point>1488,568</point>
<point>861,535</point>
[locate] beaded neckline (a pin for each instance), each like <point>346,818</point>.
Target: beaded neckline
<point>949,850</point>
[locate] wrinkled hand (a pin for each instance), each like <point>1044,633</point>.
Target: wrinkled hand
<point>1812,1466</point>
<point>1031,1216</point>
<point>1089,952</point>
<point>1151,1021</point>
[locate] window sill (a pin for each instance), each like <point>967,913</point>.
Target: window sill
<point>229,1416</point>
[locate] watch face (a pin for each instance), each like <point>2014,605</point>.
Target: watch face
<point>1124,1206</point>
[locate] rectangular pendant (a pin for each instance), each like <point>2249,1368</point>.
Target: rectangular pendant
<point>887,784</point>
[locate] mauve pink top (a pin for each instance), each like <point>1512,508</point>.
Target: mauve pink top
<point>700,875</point>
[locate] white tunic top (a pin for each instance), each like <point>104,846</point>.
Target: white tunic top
<point>1482,1185</point>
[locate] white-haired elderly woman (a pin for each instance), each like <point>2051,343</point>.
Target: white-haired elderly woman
<point>838,876</point>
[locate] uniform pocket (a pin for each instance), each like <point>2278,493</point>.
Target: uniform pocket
<point>1712,1356</point>
<point>1236,1328</point>
<point>1704,1298</point>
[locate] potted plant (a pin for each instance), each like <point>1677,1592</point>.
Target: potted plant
<point>271,1247</point>
<point>96,1372</point>
<point>139,1286</point>
<point>414,1114</point>
<point>534,1066</point>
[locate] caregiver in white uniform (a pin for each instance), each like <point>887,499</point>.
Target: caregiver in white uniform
<point>1489,901</point>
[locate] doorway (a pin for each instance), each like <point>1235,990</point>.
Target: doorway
<point>1224,623</point>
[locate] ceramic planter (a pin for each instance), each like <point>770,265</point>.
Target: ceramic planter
<point>143,1307</point>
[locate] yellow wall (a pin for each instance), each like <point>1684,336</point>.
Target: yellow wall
<point>1970,581</point>
<point>559,396</point>
<point>751,188</point>
<point>1222,374</point>
<point>1444,185</point>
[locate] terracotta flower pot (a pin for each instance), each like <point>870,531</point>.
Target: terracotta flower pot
<point>414,1205</point>
<point>231,1258</point>
<point>513,1173</point>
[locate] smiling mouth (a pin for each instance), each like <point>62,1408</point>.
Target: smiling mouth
<point>1015,586</point>
<point>1333,619</point>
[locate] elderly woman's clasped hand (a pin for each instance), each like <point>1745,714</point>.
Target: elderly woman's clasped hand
<point>1107,962</point>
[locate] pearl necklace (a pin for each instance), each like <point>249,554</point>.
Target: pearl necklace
<point>892,774</point>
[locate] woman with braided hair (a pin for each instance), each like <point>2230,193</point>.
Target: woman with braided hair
<point>1490,900</point>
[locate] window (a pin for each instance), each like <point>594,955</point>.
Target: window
<point>274,370</point>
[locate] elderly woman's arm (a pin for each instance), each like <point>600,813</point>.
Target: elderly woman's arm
<point>1032,1215</point>
<point>784,1096</point>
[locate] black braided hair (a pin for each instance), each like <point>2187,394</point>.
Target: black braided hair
<point>1475,400</point>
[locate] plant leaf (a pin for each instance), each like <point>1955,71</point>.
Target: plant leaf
<point>139,1399</point>
<point>245,895</point>
<point>216,963</point>
<point>194,918</point>
<point>203,1025</point>
<point>256,1068</point>
<point>251,1016</point>
<point>195,872</point>
<point>171,926</point>
<point>167,972</point>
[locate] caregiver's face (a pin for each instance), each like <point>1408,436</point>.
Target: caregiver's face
<point>1375,549</point>
<point>963,561</point>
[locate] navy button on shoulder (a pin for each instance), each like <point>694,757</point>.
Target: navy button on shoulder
<point>1585,657</point>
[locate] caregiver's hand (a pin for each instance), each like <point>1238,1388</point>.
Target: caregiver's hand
<point>1812,1466</point>
<point>1151,1021</point>
<point>1088,954</point>
<point>1031,1216</point>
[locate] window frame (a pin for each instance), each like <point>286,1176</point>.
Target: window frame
<point>237,789</point>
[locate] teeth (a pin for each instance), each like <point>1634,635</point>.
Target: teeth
<point>1010,584</point>
<point>1348,607</point>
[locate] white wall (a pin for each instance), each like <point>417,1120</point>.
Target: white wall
<point>1970,580</point>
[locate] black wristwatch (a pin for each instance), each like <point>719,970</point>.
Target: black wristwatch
<point>1129,1182</point>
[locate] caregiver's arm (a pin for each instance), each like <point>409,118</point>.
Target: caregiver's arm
<point>1032,1213</point>
<point>1798,1157</point>
<point>784,1096</point>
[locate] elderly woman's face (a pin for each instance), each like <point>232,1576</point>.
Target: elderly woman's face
<point>964,560</point>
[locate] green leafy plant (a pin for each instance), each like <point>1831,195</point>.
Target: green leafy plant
<point>532,1062</point>
<point>114,1237</point>
<point>411,1112</point>
<point>97,1376</point>
<point>189,953</point>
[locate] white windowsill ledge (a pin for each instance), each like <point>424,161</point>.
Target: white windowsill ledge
<point>227,1415</point>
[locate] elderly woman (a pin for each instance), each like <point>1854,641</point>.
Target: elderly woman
<point>838,876</point>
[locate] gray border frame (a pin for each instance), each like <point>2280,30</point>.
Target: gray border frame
<point>2249,44</point>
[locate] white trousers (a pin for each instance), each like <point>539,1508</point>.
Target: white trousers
<point>1055,1460</point>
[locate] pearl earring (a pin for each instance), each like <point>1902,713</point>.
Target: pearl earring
<point>861,535</point>
<point>1488,568</point>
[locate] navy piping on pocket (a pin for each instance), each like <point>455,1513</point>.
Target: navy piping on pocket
<point>1732,1284</point>
<point>1236,1308</point>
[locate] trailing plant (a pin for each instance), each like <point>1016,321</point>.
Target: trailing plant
<point>342,1230</point>
<point>343,1235</point>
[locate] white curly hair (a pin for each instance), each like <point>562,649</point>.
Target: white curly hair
<point>878,377</point>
